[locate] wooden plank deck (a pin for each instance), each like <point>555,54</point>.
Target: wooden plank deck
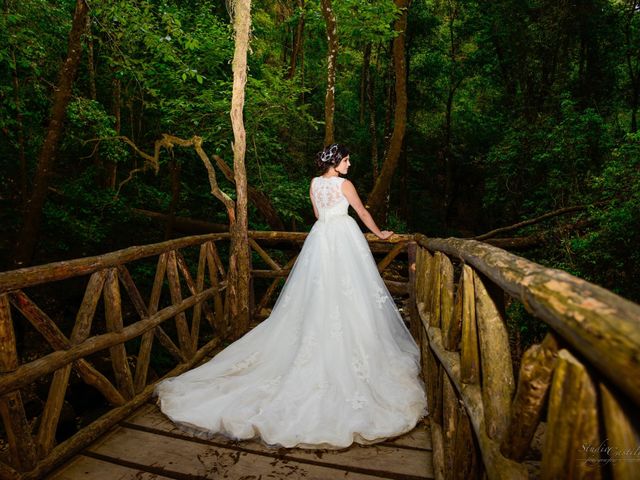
<point>148,446</point>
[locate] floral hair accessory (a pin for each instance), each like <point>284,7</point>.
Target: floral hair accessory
<point>328,153</point>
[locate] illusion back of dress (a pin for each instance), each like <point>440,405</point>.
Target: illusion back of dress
<point>328,197</point>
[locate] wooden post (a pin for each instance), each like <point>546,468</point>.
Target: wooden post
<point>414,324</point>
<point>239,273</point>
<point>465,455</point>
<point>219,307</point>
<point>146,342</point>
<point>193,289</point>
<point>84,318</point>
<point>622,436</point>
<point>534,380</point>
<point>21,446</point>
<point>393,253</point>
<point>52,334</point>
<point>469,354</point>
<point>55,400</point>
<point>435,290</point>
<point>572,443</point>
<point>446,302</point>
<point>113,314</point>
<point>184,337</point>
<point>420,257</point>
<point>497,371</point>
<point>199,287</point>
<point>436,425</point>
<point>449,423</point>
<point>97,428</point>
<point>497,467</point>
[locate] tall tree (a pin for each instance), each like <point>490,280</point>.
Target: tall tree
<point>377,199</point>
<point>298,41</point>
<point>239,259</point>
<point>332,57</point>
<point>371,104</point>
<point>19,118</point>
<point>28,235</point>
<point>632,53</point>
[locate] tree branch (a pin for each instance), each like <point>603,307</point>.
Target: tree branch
<point>169,141</point>
<point>525,223</point>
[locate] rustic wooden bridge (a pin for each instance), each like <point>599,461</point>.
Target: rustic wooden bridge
<point>494,412</point>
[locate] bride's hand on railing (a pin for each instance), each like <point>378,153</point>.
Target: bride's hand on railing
<point>385,234</point>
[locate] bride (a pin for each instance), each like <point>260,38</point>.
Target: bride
<point>332,365</point>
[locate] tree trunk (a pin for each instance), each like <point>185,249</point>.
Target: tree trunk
<point>175,198</point>
<point>449,161</point>
<point>634,75</point>
<point>93,92</point>
<point>634,107</point>
<point>258,198</point>
<point>22,180</point>
<point>91,62</point>
<point>332,57</point>
<point>297,41</point>
<point>23,184</point>
<point>26,242</point>
<point>377,199</point>
<point>386,135</point>
<point>111,167</point>
<point>185,225</point>
<point>239,258</point>
<point>373,128</point>
<point>364,80</point>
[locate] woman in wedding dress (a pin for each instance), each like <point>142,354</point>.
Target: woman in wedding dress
<point>332,365</point>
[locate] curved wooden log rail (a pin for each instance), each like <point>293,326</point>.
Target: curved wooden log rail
<point>578,388</point>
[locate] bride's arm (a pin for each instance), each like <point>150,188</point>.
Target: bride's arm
<point>350,193</point>
<point>315,210</point>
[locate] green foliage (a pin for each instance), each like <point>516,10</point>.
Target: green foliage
<point>541,167</point>
<point>289,196</point>
<point>88,216</point>
<point>88,121</point>
<point>523,326</point>
<point>515,109</point>
<point>607,251</point>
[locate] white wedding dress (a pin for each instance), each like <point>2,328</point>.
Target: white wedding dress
<point>333,364</point>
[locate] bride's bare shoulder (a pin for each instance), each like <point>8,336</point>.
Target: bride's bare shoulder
<point>347,184</point>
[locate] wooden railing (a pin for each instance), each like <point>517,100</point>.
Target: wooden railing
<point>483,415</point>
<point>579,389</point>
<point>129,335</point>
<point>127,386</point>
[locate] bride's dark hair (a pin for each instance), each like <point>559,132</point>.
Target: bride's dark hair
<point>331,156</point>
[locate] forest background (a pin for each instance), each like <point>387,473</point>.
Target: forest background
<point>516,109</point>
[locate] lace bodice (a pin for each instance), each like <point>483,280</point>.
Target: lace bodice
<point>328,197</point>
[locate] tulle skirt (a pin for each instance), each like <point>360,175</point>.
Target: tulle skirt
<point>332,365</point>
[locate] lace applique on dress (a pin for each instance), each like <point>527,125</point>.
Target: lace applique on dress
<point>305,352</point>
<point>322,386</point>
<point>360,364</point>
<point>357,401</point>
<point>244,364</point>
<point>347,287</point>
<point>363,250</point>
<point>272,384</point>
<point>327,192</point>
<point>381,297</point>
<point>335,329</point>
